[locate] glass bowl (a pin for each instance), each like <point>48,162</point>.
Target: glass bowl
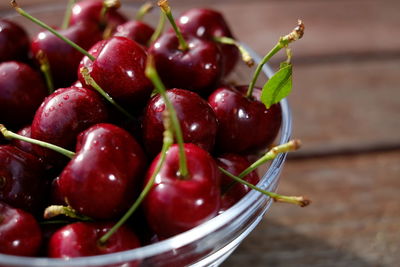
<point>208,244</point>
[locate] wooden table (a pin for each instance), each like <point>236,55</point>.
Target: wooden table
<point>346,106</point>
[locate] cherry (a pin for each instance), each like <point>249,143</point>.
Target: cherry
<point>20,233</point>
<point>197,119</point>
<point>135,30</point>
<point>232,191</point>
<point>62,116</point>
<point>21,92</point>
<point>22,181</point>
<point>119,70</point>
<point>207,24</point>
<point>176,204</point>
<point>25,146</point>
<point>64,59</point>
<point>102,179</point>
<point>81,239</point>
<point>14,41</point>
<point>91,10</point>
<point>244,124</point>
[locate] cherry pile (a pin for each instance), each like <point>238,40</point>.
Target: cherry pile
<point>93,136</point>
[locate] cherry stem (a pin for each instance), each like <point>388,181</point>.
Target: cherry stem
<point>11,135</point>
<point>292,145</point>
<point>47,27</point>
<point>243,51</point>
<point>90,81</point>
<point>296,34</point>
<point>143,10</point>
<point>168,141</point>
<point>45,69</point>
<point>163,4</point>
<point>108,5</point>
<point>159,29</point>
<point>298,200</point>
<point>152,74</point>
<point>56,210</point>
<point>68,13</point>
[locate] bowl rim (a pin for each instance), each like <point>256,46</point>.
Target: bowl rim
<point>267,182</point>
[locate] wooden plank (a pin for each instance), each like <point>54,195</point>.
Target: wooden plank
<point>354,219</point>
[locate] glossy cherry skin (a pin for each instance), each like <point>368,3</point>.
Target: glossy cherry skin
<point>20,233</point>
<point>197,120</point>
<point>22,181</point>
<point>197,69</point>
<point>119,70</point>
<point>22,90</point>
<point>90,10</point>
<point>64,59</point>
<point>14,41</point>
<point>25,146</point>
<point>135,30</point>
<point>233,191</point>
<point>244,125</point>
<point>62,116</point>
<point>208,23</point>
<point>103,178</point>
<point>81,239</point>
<point>176,204</point>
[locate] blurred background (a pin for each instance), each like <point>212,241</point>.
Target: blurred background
<point>346,106</point>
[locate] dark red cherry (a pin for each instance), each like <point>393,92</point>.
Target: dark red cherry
<point>198,69</point>
<point>25,146</point>
<point>20,233</point>
<point>90,10</point>
<point>81,239</point>
<point>135,30</point>
<point>233,191</point>
<point>21,92</point>
<point>244,125</point>
<point>14,41</point>
<point>208,23</point>
<point>119,70</point>
<point>197,119</point>
<point>62,116</point>
<point>64,59</point>
<point>176,204</point>
<point>22,180</point>
<point>102,180</point>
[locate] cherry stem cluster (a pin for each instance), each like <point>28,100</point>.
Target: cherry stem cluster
<point>45,69</point>
<point>152,74</point>
<point>67,15</point>
<point>243,51</point>
<point>296,34</point>
<point>11,135</point>
<point>143,10</point>
<point>166,9</point>
<point>50,29</point>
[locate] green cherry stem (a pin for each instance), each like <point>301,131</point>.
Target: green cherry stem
<point>11,135</point>
<point>152,74</point>
<point>159,29</point>
<point>90,81</point>
<point>166,9</point>
<point>143,10</point>
<point>45,69</point>
<point>108,5</point>
<point>298,200</point>
<point>296,34</point>
<point>230,41</point>
<point>168,141</point>
<point>67,15</point>
<point>55,210</point>
<point>47,27</point>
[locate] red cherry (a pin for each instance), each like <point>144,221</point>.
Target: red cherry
<point>63,115</point>
<point>25,146</point>
<point>101,181</point>
<point>135,30</point>
<point>19,232</point>
<point>198,69</point>
<point>232,192</point>
<point>14,41</point>
<point>22,180</point>
<point>176,204</point>
<point>198,121</point>
<point>81,240</point>
<point>21,92</point>
<point>244,125</point>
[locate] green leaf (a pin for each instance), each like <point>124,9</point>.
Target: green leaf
<point>278,86</point>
